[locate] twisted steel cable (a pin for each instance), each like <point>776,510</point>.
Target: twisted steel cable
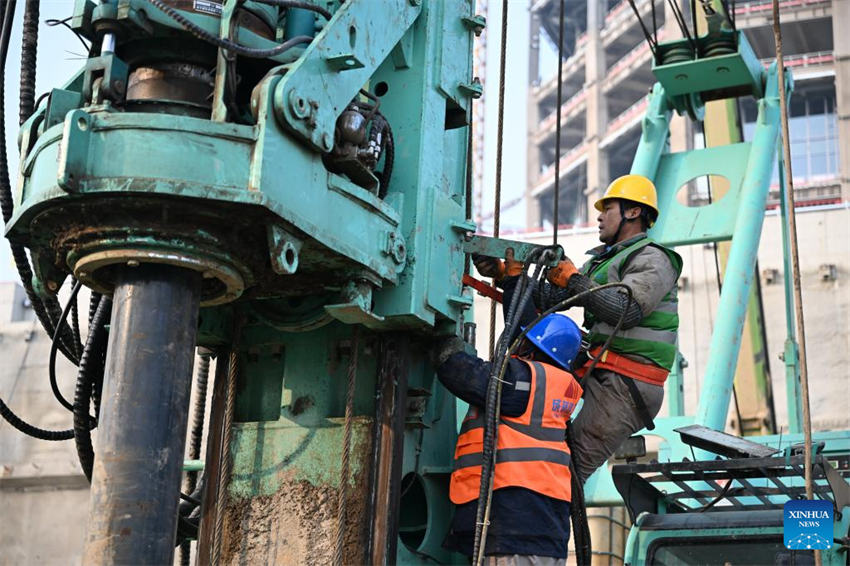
<point>346,452</point>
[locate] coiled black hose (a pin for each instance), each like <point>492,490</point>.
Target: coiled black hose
<point>578,510</point>
<point>51,363</point>
<point>198,415</point>
<point>498,375</point>
<point>46,310</point>
<point>89,375</point>
<point>298,5</point>
<point>491,409</point>
<point>29,49</point>
<point>31,430</point>
<point>75,324</point>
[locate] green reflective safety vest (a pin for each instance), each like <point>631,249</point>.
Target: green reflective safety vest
<point>655,336</point>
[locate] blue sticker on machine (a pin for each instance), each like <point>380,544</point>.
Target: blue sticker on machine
<point>808,524</point>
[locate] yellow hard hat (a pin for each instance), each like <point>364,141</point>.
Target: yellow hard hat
<point>635,188</point>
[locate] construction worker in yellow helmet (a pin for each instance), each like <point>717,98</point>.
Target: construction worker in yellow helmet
<point>625,390</point>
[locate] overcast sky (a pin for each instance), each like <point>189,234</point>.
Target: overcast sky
<point>60,55</point>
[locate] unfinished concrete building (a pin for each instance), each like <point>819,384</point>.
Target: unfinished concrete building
<point>607,75</point>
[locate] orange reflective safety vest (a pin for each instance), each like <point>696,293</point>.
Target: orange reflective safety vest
<point>532,450</point>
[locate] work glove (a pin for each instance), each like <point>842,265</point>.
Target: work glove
<point>445,348</point>
<point>561,273</point>
<point>496,268</point>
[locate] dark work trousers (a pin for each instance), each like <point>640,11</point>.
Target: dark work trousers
<point>608,417</point>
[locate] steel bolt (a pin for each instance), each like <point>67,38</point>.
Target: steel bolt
<point>327,142</point>
<point>133,263</point>
<point>52,285</point>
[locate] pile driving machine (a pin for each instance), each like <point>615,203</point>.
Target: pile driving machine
<point>284,184</point>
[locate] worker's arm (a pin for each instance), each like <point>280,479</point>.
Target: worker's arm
<point>650,275</point>
<point>466,376</point>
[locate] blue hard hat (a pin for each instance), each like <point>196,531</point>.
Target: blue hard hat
<point>558,337</point>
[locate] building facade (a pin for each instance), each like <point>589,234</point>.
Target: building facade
<point>607,75</point>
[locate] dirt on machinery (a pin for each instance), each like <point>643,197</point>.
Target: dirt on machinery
<point>297,524</point>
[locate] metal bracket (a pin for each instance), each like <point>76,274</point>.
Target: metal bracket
<point>475,23</point>
<point>344,62</point>
<point>284,249</point>
<point>473,89</point>
<point>113,74</point>
<point>74,150</point>
<point>358,38</point>
<point>495,247</point>
<point>357,308</point>
<point>396,247</point>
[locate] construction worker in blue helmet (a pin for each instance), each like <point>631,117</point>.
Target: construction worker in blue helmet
<point>624,392</point>
<point>532,483</point>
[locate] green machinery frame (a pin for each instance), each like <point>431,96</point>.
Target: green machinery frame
<point>304,270</point>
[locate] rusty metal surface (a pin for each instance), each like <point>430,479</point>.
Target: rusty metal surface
<point>388,455</point>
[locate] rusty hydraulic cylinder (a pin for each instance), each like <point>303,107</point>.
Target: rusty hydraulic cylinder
<point>143,417</point>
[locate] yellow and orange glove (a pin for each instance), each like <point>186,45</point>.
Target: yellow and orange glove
<point>496,268</point>
<point>561,273</point>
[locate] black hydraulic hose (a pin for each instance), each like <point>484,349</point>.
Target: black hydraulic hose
<point>382,131</point>
<point>504,364</point>
<point>46,311</point>
<point>31,430</point>
<point>204,35</point>
<point>491,411</point>
<point>29,50</point>
<point>90,372</point>
<point>51,364</point>
<point>94,301</point>
<point>5,35</point>
<point>299,5</point>
<point>75,325</point>
<point>578,511</point>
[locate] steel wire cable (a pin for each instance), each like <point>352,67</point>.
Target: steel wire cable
<point>556,199</point>
<point>345,467</point>
<point>226,460</point>
<point>788,190</point>
<point>497,199</point>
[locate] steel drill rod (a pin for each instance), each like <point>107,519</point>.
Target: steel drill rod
<point>143,417</point>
